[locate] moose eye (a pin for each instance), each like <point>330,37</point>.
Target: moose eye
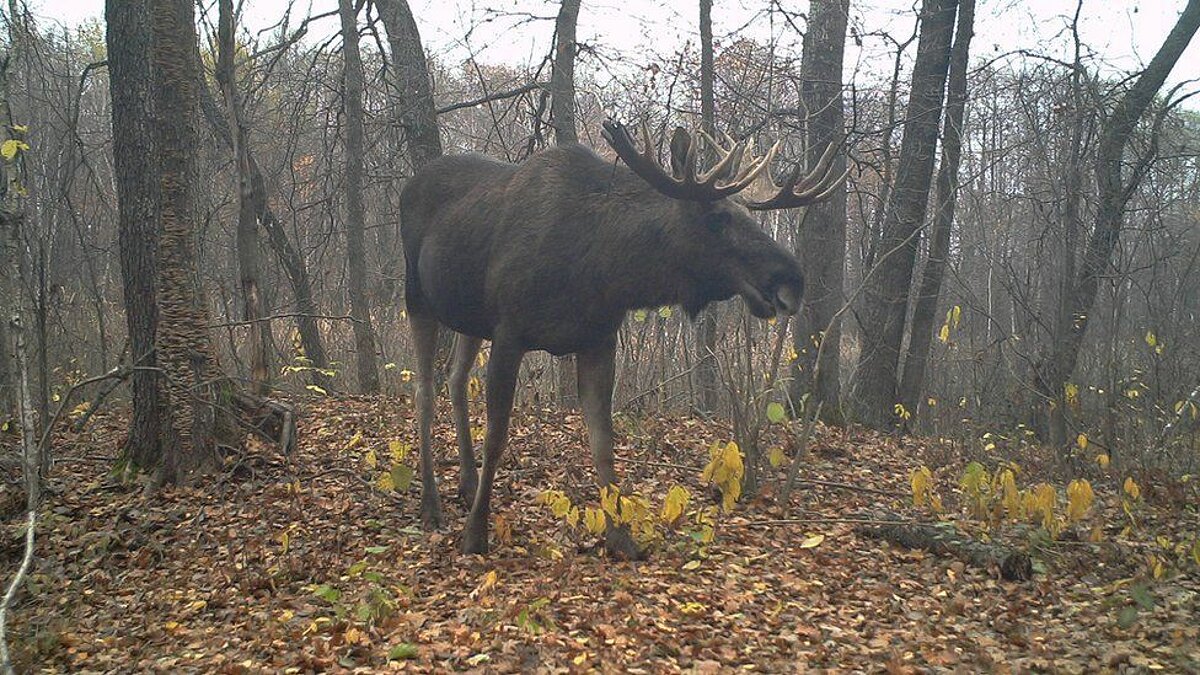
<point>716,221</point>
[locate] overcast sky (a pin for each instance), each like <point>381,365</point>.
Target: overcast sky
<point>1123,34</point>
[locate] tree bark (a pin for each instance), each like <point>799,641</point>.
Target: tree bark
<point>133,105</point>
<point>247,226</point>
<point>821,239</point>
<point>356,257</point>
<point>886,294</point>
<point>921,333</point>
<point>416,111</point>
<point>184,347</point>
<point>944,539</point>
<point>289,258</point>
<point>1058,359</point>
<point>707,377</point>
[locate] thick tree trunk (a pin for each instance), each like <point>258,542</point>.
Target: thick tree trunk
<point>247,225</point>
<point>886,293</point>
<point>133,104</point>
<point>1059,358</point>
<point>707,378</point>
<point>821,239</point>
<point>185,350</point>
<point>416,111</point>
<point>924,314</point>
<point>356,257</point>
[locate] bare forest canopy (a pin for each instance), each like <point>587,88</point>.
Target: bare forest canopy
<point>203,274</point>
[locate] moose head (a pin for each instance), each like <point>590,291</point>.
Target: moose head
<point>551,253</point>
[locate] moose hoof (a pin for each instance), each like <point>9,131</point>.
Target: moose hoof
<point>619,544</point>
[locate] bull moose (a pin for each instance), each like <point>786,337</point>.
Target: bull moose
<point>551,254</point>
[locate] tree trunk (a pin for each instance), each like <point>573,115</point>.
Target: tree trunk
<point>886,293</point>
<point>356,257</point>
<point>289,258</point>
<point>821,239</point>
<point>247,225</point>
<point>416,111</point>
<point>184,347</point>
<point>921,333</point>
<point>131,88</point>
<point>562,118</point>
<point>1058,359</point>
<point>707,377</point>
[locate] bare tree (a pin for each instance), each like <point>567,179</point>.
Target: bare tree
<point>247,219</point>
<point>131,83</point>
<point>886,293</point>
<point>821,239</point>
<point>921,333</point>
<point>416,111</point>
<point>707,381</point>
<point>356,257</point>
<point>1116,187</point>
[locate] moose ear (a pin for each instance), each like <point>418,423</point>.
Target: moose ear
<point>681,142</point>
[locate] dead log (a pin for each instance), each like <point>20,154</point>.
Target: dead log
<point>945,539</point>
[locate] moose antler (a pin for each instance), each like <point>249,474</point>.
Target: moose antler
<point>802,189</point>
<point>734,171</point>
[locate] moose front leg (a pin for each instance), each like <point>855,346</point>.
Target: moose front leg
<point>502,372</point>
<point>424,332</point>
<point>595,370</point>
<point>465,350</point>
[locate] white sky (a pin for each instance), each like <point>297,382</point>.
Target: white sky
<point>1123,34</point>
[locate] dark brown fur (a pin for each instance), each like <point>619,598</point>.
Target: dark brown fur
<point>550,254</point>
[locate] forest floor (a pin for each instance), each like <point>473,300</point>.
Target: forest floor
<point>306,564</point>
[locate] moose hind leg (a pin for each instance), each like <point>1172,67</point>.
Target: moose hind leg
<point>502,372</point>
<point>465,350</point>
<point>425,334</point>
<point>595,372</point>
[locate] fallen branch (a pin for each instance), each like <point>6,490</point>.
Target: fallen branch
<point>945,539</point>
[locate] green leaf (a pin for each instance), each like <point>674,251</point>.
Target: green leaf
<point>691,565</point>
<point>775,413</point>
<point>665,312</point>
<point>1127,617</point>
<point>639,315</point>
<point>327,593</point>
<point>377,549</point>
<point>402,476</point>
<point>404,650</point>
<point>1141,595</point>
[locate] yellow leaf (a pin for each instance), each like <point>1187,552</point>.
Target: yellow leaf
<point>319,390</point>
<point>21,128</point>
<point>578,660</point>
<point>355,441</point>
<point>944,334</point>
<point>1132,489</point>
<point>692,608</point>
<point>920,479</point>
<point>956,315</point>
<point>385,482</point>
<point>813,541</point>
<point>371,460</point>
<point>593,519</point>
<point>1079,499</point>
<point>572,516</point>
<point>11,147</point>
<point>284,541</point>
<point>776,457</point>
<point>399,450</point>
<point>1102,460</point>
<point>691,565</point>
<point>1151,339</point>
<point>1082,441</point>
<point>675,504</point>
<point>609,498</point>
<point>406,375</point>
